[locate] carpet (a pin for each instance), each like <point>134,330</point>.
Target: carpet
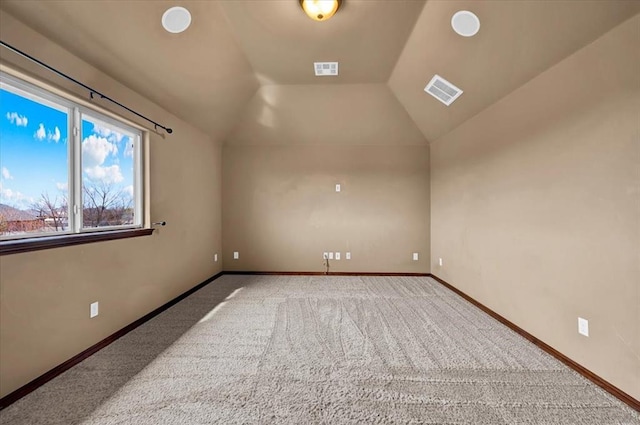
<point>320,350</point>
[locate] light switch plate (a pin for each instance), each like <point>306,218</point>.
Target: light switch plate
<point>583,326</point>
<point>94,310</point>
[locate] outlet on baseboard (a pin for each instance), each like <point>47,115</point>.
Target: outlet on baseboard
<point>94,310</point>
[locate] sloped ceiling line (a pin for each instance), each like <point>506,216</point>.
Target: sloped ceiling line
<point>219,69</point>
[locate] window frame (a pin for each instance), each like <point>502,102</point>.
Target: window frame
<point>76,109</point>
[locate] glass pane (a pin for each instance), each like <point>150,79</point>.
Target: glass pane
<point>33,165</point>
<point>108,175</point>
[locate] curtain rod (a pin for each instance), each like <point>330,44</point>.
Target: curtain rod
<point>91,90</point>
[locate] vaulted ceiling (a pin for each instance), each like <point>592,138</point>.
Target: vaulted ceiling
<point>243,71</point>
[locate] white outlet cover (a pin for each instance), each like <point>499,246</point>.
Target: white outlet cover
<point>337,188</point>
<point>440,261</point>
<point>347,255</point>
<point>94,310</point>
<point>331,256</point>
<point>415,256</point>
<point>583,326</point>
<point>325,255</point>
<point>215,257</point>
<point>337,255</point>
<point>236,255</point>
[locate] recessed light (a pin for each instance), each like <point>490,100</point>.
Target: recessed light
<point>465,23</point>
<point>176,19</point>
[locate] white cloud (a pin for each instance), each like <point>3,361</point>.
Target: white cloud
<point>55,135</point>
<point>129,190</point>
<point>17,119</point>
<point>41,133</point>
<point>107,133</point>
<point>14,198</point>
<point>62,186</point>
<point>95,150</point>
<point>110,174</point>
<point>6,174</point>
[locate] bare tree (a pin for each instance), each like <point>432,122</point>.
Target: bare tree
<point>104,205</point>
<point>55,209</point>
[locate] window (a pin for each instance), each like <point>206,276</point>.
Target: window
<point>65,169</point>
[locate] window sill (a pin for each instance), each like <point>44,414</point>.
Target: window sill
<point>47,242</point>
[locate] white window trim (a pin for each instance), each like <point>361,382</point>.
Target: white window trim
<point>38,91</point>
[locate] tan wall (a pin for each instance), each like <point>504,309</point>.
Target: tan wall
<point>281,210</point>
<point>45,295</point>
<point>536,206</point>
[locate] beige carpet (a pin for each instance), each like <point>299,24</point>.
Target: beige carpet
<point>320,350</point>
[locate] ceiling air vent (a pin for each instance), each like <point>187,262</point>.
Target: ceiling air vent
<point>442,90</point>
<point>326,69</point>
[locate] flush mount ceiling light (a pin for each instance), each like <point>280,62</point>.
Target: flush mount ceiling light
<point>465,23</point>
<point>176,19</point>
<point>320,10</point>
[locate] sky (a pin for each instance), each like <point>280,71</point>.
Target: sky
<point>34,146</point>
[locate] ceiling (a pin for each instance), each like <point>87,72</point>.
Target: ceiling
<point>243,61</point>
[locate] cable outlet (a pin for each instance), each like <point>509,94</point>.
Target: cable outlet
<point>94,310</point>
<point>236,255</point>
<point>583,326</point>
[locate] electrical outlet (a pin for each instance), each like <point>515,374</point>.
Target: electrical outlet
<point>347,255</point>
<point>440,262</point>
<point>215,257</point>
<point>337,255</point>
<point>331,256</point>
<point>236,255</point>
<point>325,255</point>
<point>415,256</point>
<point>94,310</point>
<point>583,326</point>
<point>337,188</point>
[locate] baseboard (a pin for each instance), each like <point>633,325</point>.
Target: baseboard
<point>327,274</point>
<point>605,385</point>
<point>48,376</point>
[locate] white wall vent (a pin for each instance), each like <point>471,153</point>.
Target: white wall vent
<point>326,69</point>
<point>442,90</point>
